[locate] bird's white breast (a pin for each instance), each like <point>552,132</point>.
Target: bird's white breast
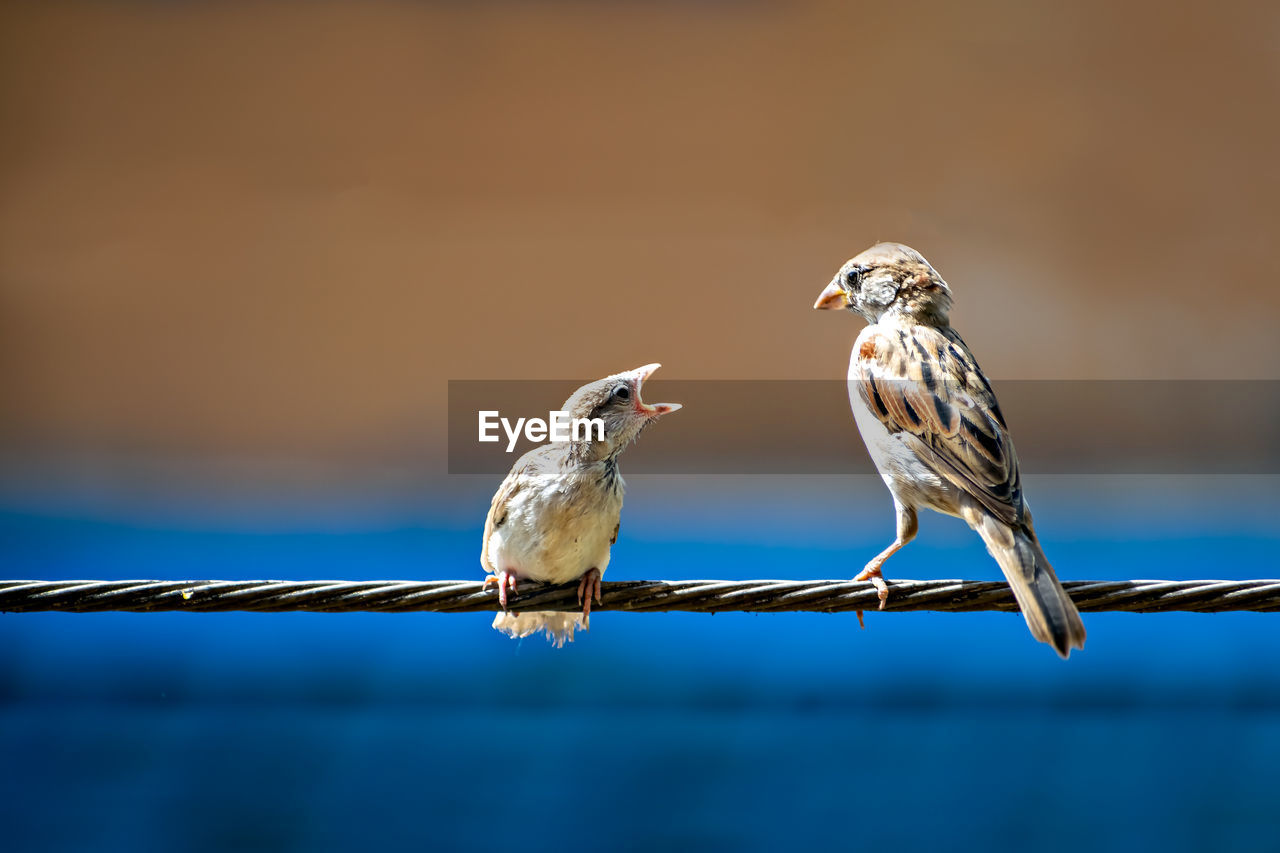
<point>558,527</point>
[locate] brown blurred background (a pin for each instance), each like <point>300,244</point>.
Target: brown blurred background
<point>277,230</point>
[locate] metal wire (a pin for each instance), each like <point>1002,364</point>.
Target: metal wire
<point>701,596</point>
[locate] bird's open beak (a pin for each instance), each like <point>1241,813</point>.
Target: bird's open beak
<point>651,410</point>
<point>832,297</point>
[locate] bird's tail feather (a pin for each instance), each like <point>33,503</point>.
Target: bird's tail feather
<point>1049,611</point>
<point>559,627</point>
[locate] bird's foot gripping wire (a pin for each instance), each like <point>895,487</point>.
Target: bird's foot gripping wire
<point>872,573</point>
<point>505,580</point>
<point>588,587</point>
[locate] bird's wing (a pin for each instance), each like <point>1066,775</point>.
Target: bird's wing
<point>927,389</point>
<point>532,463</point>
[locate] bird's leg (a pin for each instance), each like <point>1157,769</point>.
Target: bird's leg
<point>907,526</point>
<point>504,579</point>
<point>587,587</point>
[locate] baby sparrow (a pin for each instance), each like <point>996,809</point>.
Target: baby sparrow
<point>935,432</point>
<point>556,514</point>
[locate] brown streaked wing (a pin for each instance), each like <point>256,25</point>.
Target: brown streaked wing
<point>926,387</point>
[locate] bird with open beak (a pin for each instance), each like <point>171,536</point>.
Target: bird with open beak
<point>935,432</point>
<point>556,515</point>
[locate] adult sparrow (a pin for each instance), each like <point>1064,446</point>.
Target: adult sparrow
<point>556,514</point>
<point>935,432</point>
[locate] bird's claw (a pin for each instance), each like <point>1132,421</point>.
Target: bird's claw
<point>588,587</point>
<point>872,573</point>
<point>504,580</point>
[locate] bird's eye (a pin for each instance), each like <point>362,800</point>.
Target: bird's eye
<point>851,276</point>
<point>622,392</point>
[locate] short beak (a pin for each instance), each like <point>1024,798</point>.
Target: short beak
<point>651,410</point>
<point>832,297</point>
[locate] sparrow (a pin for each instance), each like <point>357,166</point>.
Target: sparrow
<point>556,515</point>
<point>933,427</point>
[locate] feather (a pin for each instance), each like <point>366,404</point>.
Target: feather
<point>1050,613</point>
<point>559,627</point>
<point>925,387</point>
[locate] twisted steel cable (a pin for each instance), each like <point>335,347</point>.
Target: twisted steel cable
<point>700,596</point>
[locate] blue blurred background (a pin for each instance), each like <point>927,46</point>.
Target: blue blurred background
<point>319,731</point>
<point>244,249</point>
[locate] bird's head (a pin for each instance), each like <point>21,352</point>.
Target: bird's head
<point>616,401</point>
<point>889,278</point>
